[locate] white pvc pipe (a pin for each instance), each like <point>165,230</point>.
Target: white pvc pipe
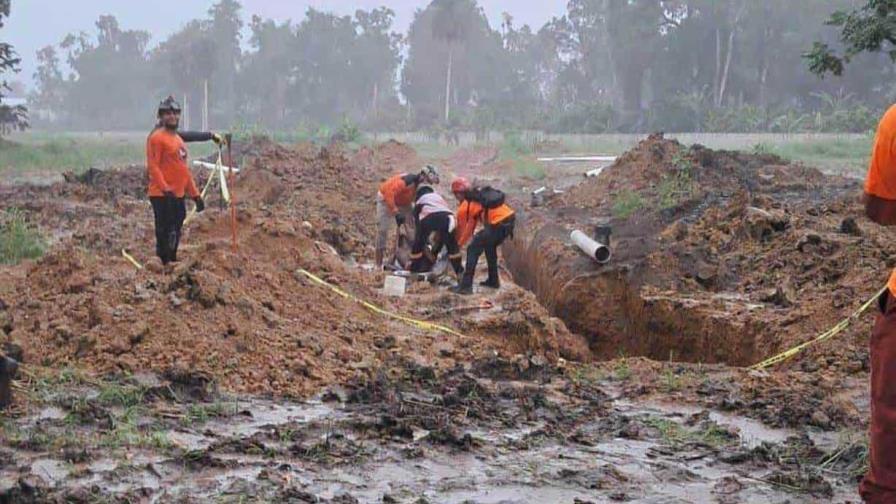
<point>212,166</point>
<point>595,250</point>
<point>577,159</point>
<point>595,172</point>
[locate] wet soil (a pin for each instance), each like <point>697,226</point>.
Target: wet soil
<point>232,377</point>
<point>718,257</point>
<point>487,431</point>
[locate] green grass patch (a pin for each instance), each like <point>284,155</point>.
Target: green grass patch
<point>627,203</point>
<point>198,414</point>
<point>126,396</point>
<point>673,433</point>
<point>19,240</point>
<point>528,168</point>
<point>622,371</point>
<point>46,153</point>
<point>671,382</point>
<point>126,432</point>
<point>845,156</point>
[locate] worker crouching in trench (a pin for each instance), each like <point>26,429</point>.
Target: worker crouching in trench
<point>435,222</point>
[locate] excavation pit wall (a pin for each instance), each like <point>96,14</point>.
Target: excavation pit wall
<point>619,313</point>
<point>717,257</point>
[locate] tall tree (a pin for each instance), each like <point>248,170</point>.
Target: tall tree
<point>15,116</point>
<point>870,28</point>
<point>50,91</point>
<point>451,25</point>
<point>182,63</point>
<point>110,82</point>
<point>378,55</point>
<point>455,31</point>
<point>224,29</point>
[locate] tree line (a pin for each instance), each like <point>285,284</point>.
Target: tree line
<point>603,66</point>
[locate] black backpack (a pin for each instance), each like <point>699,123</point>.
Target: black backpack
<point>489,197</point>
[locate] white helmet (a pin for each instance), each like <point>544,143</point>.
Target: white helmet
<point>430,174</point>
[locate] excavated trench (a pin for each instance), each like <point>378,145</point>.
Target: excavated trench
<point>618,312</point>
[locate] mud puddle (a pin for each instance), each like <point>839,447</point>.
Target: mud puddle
<point>460,437</point>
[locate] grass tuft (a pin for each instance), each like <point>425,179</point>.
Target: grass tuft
<point>627,204</point>
<point>19,240</point>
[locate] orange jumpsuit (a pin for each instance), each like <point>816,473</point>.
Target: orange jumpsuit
<point>879,484</point>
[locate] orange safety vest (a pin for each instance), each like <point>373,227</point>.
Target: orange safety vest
<point>470,212</point>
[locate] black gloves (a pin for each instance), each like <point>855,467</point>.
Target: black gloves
<point>200,203</point>
<point>399,219</point>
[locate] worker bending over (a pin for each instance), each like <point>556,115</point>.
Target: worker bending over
<point>486,205</point>
<point>433,217</point>
<point>879,484</point>
<point>394,202</point>
<point>169,177</point>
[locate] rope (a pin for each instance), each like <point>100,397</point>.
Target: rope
<point>830,333</point>
<point>376,309</point>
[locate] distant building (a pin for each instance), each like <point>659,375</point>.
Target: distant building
<point>13,101</point>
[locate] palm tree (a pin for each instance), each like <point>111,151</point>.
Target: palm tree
<point>450,24</point>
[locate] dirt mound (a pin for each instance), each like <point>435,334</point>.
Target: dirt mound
<point>387,159</point>
<point>718,256</point>
<point>247,319</point>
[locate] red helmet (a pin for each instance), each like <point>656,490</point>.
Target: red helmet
<point>460,185</point>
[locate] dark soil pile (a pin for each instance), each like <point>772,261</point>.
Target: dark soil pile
<point>718,257</point>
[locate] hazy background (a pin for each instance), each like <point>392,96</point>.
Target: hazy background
<point>441,68</point>
<point>34,24</point>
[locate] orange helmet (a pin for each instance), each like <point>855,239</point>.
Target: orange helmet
<point>460,185</point>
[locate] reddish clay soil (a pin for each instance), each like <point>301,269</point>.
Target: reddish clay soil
<point>246,319</point>
<point>717,257</point>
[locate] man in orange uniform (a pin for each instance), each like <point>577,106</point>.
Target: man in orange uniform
<point>395,201</point>
<point>498,221</point>
<point>879,484</point>
<point>465,224</point>
<point>169,177</point>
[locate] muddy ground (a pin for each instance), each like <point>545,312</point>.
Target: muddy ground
<point>232,377</point>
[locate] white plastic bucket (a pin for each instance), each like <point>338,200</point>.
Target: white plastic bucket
<point>395,286</point>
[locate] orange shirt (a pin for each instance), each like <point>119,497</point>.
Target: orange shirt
<point>397,193</point>
<point>881,179</point>
<point>469,213</point>
<point>166,164</point>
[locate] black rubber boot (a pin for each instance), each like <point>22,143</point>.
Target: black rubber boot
<point>466,285</point>
<point>491,284</point>
<point>462,289</point>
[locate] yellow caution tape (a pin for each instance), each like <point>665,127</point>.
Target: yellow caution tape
<point>131,259</point>
<point>376,309</point>
<point>830,333</point>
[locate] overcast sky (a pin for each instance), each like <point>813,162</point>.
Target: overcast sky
<point>36,23</point>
